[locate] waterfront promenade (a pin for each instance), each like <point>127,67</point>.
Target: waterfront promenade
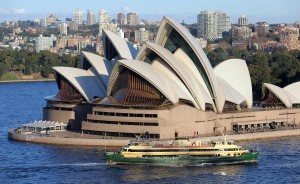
<point>78,139</point>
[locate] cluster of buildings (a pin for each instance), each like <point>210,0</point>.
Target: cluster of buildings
<point>211,26</point>
<point>166,89</point>
<point>69,41</point>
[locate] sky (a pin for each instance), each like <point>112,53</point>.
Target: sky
<point>271,11</point>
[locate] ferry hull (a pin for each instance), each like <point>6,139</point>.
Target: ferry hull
<point>113,158</point>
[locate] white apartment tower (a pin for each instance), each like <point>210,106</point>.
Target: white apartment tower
<point>43,23</point>
<point>212,24</point>
<point>42,43</point>
<point>104,20</point>
<point>63,29</point>
<point>77,16</point>
<point>91,18</point>
<point>243,20</point>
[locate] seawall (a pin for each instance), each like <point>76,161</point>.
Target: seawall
<point>259,135</point>
<point>29,80</point>
<point>35,138</point>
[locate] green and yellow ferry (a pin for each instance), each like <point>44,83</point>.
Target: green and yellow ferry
<point>182,152</point>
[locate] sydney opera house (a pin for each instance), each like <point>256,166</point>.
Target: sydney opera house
<point>166,89</point>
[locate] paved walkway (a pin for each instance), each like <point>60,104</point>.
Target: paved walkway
<point>75,138</point>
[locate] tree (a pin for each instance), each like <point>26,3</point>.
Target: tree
<point>217,56</point>
<point>45,72</point>
<point>285,66</point>
<point>3,69</point>
<point>21,67</point>
<point>260,72</point>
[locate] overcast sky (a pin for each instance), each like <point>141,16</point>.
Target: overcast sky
<point>271,11</point>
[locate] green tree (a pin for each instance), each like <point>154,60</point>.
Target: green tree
<point>217,56</point>
<point>260,72</point>
<point>3,69</point>
<point>45,71</point>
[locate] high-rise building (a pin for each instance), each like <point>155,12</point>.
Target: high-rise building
<point>112,27</point>
<point>212,24</point>
<point>51,19</point>
<point>240,32</point>
<point>63,29</point>
<point>77,16</point>
<point>37,22</point>
<point>121,19</point>
<point>243,20</point>
<point>141,35</point>
<point>120,33</point>
<point>73,26</point>
<point>42,43</point>
<point>43,23</point>
<point>91,18</point>
<point>104,20</point>
<point>261,27</point>
<point>132,19</point>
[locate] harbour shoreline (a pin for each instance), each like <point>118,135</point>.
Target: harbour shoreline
<point>67,138</point>
<point>34,80</point>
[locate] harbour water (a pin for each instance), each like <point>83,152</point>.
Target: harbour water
<point>279,160</point>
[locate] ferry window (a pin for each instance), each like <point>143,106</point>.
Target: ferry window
<point>122,114</point>
<point>111,114</point>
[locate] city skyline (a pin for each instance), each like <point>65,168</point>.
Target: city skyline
<point>278,12</point>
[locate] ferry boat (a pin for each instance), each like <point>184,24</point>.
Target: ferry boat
<point>182,152</point>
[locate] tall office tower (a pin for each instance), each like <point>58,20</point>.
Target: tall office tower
<point>132,19</point>
<point>63,29</point>
<point>212,24</point>
<point>121,19</point>
<point>91,18</point>
<point>77,16</point>
<point>104,20</point>
<point>243,20</point>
